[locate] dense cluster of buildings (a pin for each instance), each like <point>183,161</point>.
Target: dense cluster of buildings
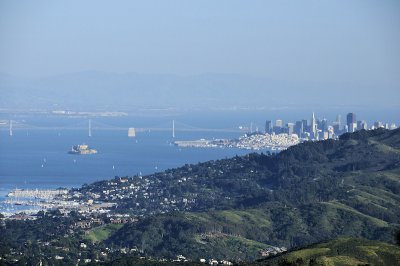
<point>318,129</point>
<point>255,141</point>
<point>272,142</point>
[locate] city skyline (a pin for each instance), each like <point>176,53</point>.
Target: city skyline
<point>318,129</point>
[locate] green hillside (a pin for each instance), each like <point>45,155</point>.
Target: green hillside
<point>309,193</point>
<point>341,251</point>
<point>241,234</point>
<point>102,233</point>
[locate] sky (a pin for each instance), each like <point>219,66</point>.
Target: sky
<point>344,42</point>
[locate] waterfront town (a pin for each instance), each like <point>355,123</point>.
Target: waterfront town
<point>108,205</point>
<point>254,141</point>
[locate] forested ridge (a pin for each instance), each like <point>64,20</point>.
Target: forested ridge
<point>311,192</point>
<point>234,208</point>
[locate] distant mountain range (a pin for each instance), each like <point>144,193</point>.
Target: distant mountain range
<point>97,90</point>
<point>93,90</point>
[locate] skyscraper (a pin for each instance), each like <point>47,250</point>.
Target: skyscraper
<point>298,128</point>
<point>313,130</point>
<point>351,122</point>
<point>268,126</point>
<point>305,125</point>
<point>278,126</point>
<point>337,124</point>
<point>278,123</point>
<point>323,124</point>
<point>338,120</point>
<point>290,128</point>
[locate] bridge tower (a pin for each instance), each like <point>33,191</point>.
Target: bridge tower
<point>11,129</point>
<point>173,128</point>
<point>90,128</point>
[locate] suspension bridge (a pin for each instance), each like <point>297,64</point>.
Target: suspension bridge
<point>94,125</point>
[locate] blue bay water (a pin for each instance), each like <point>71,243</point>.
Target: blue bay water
<point>38,158</point>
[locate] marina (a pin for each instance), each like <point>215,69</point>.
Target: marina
<point>36,193</point>
<point>30,201</point>
<point>33,200</point>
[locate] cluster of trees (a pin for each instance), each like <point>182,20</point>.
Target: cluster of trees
<point>308,193</point>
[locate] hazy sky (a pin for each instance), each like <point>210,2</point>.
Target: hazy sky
<point>355,42</point>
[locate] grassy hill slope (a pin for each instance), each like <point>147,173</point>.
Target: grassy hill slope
<point>309,193</point>
<point>341,251</point>
<point>241,234</point>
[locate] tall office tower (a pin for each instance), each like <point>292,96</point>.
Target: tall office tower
<point>290,128</point>
<point>313,130</point>
<point>305,125</point>
<point>337,124</point>
<point>298,128</point>
<point>338,120</point>
<point>351,122</point>
<point>323,125</point>
<point>268,127</point>
<point>278,126</point>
